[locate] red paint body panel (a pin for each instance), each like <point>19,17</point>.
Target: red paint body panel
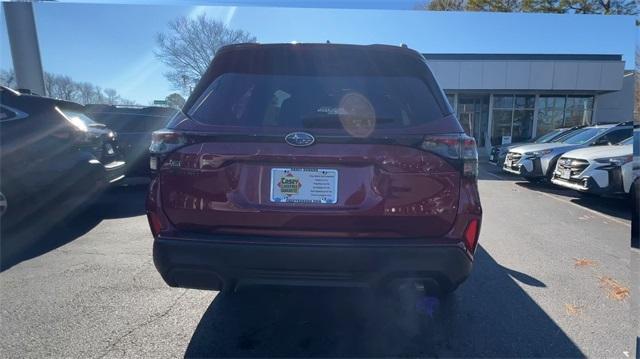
<point>383,191</point>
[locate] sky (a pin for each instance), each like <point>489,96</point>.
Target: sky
<point>112,45</point>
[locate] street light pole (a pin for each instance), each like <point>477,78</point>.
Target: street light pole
<point>25,52</point>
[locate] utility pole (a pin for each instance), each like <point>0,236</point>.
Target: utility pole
<point>25,52</point>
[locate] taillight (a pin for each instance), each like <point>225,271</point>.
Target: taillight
<point>162,143</point>
<point>458,147</point>
<point>471,235</point>
<point>154,223</point>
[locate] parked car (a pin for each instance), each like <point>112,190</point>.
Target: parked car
<point>134,125</point>
<point>605,170</point>
<point>537,162</point>
<point>499,153</point>
<point>51,150</point>
<point>315,164</point>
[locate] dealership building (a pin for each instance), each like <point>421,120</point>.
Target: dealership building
<point>502,98</point>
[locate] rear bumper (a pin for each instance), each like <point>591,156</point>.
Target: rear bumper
<point>225,262</point>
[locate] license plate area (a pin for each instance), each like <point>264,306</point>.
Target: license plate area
<point>304,185</point>
<point>566,173</point>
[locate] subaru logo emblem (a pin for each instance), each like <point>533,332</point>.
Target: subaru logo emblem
<point>299,139</point>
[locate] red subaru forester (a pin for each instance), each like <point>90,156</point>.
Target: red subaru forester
<point>314,164</point>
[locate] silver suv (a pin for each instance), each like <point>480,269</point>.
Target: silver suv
<point>537,162</point>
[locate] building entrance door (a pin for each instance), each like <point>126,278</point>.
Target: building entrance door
<point>473,114</point>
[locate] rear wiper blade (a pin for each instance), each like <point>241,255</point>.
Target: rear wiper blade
<point>99,125</point>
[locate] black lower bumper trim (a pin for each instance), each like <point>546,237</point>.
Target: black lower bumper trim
<point>218,263</point>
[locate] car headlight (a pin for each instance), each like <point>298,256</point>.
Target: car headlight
<point>617,161</point>
<point>538,153</point>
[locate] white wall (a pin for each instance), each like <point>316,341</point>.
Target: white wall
<point>616,106</point>
<point>536,75</point>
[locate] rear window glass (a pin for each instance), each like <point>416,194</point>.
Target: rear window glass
<point>358,104</point>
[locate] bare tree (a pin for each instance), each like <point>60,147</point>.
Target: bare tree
<point>8,78</point>
<point>443,5</point>
<point>112,97</point>
<point>98,96</point>
<point>604,7</point>
<point>175,100</point>
<point>65,88</point>
<point>494,5</point>
<point>86,92</point>
<point>189,46</point>
<point>544,6</point>
<point>49,84</point>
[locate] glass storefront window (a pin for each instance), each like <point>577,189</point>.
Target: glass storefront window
<point>503,102</point>
<point>452,101</point>
<point>522,125</point>
<point>501,125</point>
<point>563,111</point>
<point>578,111</point>
<point>473,114</point>
<point>525,102</point>
<point>512,116</point>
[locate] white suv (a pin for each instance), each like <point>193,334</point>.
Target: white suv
<point>606,170</point>
<point>537,162</point>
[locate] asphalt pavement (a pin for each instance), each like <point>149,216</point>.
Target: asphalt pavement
<point>549,280</point>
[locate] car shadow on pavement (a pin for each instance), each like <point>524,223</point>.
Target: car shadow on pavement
<point>490,172</point>
<point>54,227</point>
<point>615,207</point>
<point>489,316</point>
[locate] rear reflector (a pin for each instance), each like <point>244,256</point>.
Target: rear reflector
<point>154,223</point>
<point>471,235</point>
